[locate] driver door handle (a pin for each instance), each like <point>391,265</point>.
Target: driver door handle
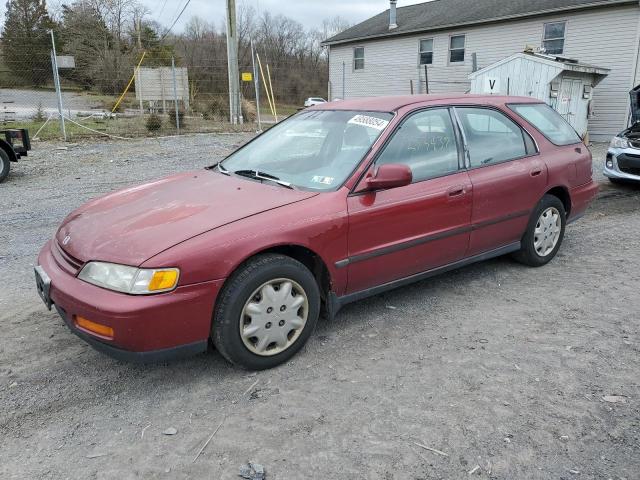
<point>457,191</point>
<point>535,172</point>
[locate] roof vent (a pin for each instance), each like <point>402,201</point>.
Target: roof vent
<point>392,14</point>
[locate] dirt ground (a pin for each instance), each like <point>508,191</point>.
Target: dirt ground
<point>508,372</point>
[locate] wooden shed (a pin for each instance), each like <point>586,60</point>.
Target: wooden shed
<point>565,84</point>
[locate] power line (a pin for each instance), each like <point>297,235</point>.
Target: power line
<point>176,20</point>
<point>164,4</point>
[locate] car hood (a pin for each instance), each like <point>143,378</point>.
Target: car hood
<point>132,225</point>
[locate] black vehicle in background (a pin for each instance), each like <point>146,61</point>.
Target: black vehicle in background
<point>14,143</point>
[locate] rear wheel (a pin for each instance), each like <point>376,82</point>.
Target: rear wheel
<point>266,312</point>
<point>5,165</point>
<point>544,234</point>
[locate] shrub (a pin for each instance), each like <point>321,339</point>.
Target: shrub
<point>39,116</point>
<point>249,112</point>
<point>154,122</point>
<point>172,117</point>
<point>218,108</point>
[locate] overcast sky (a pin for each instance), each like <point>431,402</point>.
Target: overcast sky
<point>308,12</point>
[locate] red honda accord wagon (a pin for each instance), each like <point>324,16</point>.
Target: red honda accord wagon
<point>337,203</point>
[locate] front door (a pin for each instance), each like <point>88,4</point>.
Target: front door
<point>400,232</point>
<point>507,174</point>
<point>569,101</point>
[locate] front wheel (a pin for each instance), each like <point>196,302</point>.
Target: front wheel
<point>544,234</point>
<point>266,312</point>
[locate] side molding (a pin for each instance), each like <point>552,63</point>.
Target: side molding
<point>335,303</point>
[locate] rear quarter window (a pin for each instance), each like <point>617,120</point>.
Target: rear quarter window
<point>548,122</point>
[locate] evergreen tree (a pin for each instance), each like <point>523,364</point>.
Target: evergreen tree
<point>86,36</point>
<point>26,42</point>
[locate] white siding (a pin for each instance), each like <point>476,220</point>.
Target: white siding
<point>606,38</point>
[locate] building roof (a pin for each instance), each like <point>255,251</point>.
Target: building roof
<point>396,102</point>
<point>447,14</point>
<point>562,63</point>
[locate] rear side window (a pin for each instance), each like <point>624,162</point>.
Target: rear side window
<point>491,136</point>
<point>548,122</point>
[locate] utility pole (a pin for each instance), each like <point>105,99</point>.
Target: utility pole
<point>232,60</point>
<point>56,81</point>
<point>139,28</point>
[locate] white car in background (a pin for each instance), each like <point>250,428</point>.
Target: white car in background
<point>311,101</point>
<point>623,158</point>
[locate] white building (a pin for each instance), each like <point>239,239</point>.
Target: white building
<point>445,41</point>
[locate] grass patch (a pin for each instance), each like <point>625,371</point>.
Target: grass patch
<point>128,127</point>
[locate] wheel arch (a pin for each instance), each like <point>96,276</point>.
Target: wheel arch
<point>562,193</point>
<point>309,258</point>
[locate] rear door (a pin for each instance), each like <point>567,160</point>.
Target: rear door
<point>403,231</point>
<point>507,175</point>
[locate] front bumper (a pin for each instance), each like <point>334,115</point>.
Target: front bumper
<point>625,164</point>
<point>145,328</point>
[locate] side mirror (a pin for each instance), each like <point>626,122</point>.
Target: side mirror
<point>391,175</point>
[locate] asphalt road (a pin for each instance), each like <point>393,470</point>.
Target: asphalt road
<point>501,370</point>
<point>17,104</point>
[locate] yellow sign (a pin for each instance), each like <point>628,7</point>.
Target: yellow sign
<point>247,77</point>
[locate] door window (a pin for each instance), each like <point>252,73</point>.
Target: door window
<point>491,136</point>
<point>426,143</point>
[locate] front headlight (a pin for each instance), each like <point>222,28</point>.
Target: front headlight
<point>619,142</point>
<point>132,280</point>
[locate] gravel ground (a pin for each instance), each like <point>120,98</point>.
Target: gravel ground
<point>509,372</point>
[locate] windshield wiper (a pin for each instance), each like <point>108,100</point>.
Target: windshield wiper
<point>263,176</point>
<point>223,170</point>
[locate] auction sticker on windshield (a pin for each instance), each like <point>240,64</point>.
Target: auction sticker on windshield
<point>323,180</point>
<point>369,121</point>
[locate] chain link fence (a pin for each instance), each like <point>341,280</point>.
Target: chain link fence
<point>199,103</point>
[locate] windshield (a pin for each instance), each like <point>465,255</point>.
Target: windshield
<point>314,150</point>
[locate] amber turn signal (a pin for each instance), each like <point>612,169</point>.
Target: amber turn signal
<point>163,280</point>
<point>93,327</point>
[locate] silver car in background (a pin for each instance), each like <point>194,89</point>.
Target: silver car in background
<point>311,101</point>
<point>623,158</point>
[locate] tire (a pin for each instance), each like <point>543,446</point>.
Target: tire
<point>618,181</point>
<point>285,299</point>
<point>5,165</point>
<point>539,248</point>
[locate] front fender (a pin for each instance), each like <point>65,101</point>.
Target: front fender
<point>214,255</point>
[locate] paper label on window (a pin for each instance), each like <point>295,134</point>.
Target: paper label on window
<point>370,122</point>
<point>322,180</point>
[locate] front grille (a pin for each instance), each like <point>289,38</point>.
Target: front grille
<point>629,163</point>
<point>67,262</point>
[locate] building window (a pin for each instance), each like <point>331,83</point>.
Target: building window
<point>553,38</point>
<point>358,58</point>
<point>426,51</point>
<point>456,49</point>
